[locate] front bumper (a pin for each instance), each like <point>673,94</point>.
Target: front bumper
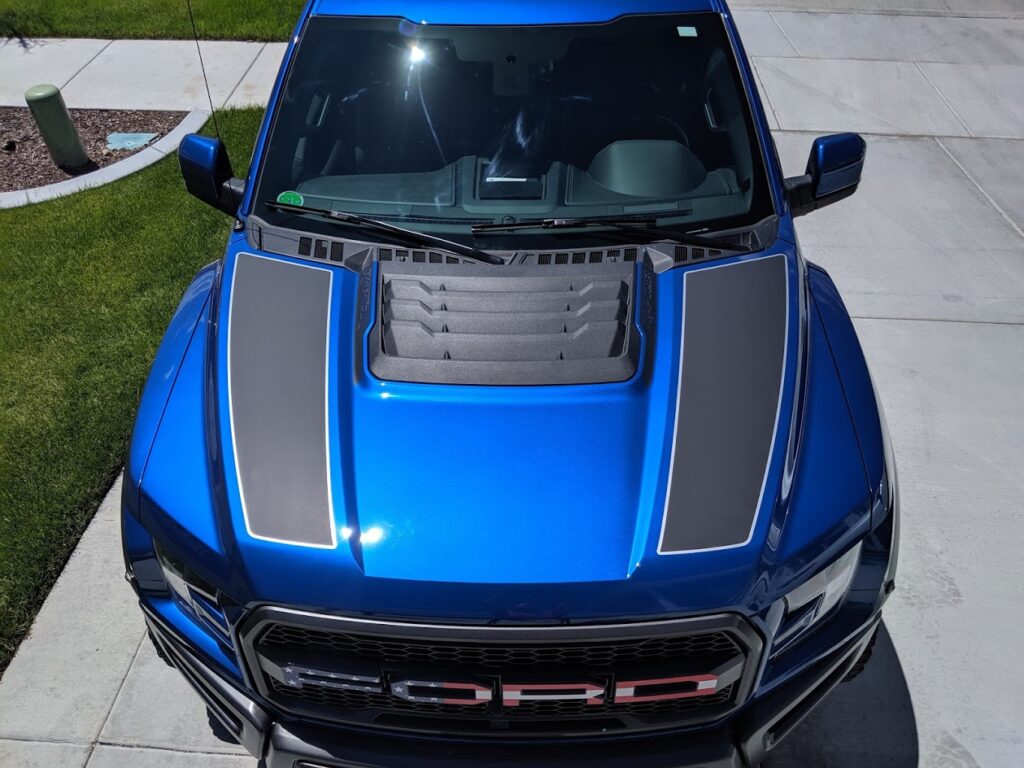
<point>741,743</point>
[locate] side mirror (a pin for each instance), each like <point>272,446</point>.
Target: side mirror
<point>833,173</point>
<point>207,173</point>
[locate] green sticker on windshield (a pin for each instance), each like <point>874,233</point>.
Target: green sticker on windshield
<point>290,197</point>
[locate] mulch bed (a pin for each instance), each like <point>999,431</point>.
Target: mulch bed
<point>26,163</point>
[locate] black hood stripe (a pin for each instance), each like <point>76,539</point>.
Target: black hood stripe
<point>278,347</point>
<point>732,372</point>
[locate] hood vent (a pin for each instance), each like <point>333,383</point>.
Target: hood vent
<point>524,325</point>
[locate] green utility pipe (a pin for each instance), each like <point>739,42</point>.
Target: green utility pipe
<point>55,125</point>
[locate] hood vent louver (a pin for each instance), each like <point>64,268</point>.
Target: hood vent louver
<point>524,325</point>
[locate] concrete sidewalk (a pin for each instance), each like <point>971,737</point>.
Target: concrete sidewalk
<point>140,74</point>
<point>929,256</point>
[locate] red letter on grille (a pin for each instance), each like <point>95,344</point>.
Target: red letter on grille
<point>514,693</point>
<point>666,688</point>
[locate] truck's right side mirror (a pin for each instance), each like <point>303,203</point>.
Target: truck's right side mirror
<point>207,172</point>
<point>833,173</point>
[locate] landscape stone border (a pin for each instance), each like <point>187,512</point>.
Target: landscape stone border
<point>164,146</point>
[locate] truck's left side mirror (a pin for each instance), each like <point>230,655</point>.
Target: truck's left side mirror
<point>833,173</point>
<point>207,172</point>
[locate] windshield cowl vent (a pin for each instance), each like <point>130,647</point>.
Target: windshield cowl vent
<point>685,254</point>
<point>419,256</point>
<point>603,256</point>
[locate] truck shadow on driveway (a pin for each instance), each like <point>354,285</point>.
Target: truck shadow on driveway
<point>866,722</point>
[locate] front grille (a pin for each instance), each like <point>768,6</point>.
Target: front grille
<point>335,670</point>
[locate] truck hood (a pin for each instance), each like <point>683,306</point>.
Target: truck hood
<point>327,466</point>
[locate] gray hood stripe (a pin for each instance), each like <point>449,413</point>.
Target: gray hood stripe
<point>732,370</point>
<point>278,346</point>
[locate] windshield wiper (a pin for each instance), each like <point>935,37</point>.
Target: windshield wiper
<point>622,224</point>
<point>409,236</point>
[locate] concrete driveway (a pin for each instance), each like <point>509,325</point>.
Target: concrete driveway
<point>930,258</point>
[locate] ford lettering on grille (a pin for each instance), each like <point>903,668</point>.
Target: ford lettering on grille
<point>597,691</point>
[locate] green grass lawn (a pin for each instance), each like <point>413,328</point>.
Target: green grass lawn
<point>215,19</point>
<point>87,285</point>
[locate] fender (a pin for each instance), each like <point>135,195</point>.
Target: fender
<point>164,373</point>
<point>848,356</point>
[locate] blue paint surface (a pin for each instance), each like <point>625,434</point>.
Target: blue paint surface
<point>853,369</point>
<point>166,366</point>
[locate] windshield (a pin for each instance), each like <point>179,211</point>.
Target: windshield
<point>438,128</point>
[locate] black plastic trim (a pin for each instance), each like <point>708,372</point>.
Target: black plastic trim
<point>288,747</point>
<point>769,720</point>
<point>246,720</point>
<point>505,633</point>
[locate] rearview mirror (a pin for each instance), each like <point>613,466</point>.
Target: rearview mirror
<point>207,172</point>
<point>833,173</point>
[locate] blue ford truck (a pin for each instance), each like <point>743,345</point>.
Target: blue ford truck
<point>512,427</point>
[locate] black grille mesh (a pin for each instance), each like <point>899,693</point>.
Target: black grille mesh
<point>592,656</point>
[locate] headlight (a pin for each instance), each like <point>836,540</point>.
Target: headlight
<point>194,595</point>
<point>817,597</point>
